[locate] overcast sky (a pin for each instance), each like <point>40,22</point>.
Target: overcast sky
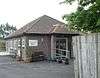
<point>20,12</point>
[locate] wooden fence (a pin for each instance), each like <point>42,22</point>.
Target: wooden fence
<point>86,51</point>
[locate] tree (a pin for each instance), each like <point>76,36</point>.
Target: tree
<point>87,16</point>
<point>6,29</point>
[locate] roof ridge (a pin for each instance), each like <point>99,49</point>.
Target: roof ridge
<point>36,21</point>
<point>54,19</point>
<point>31,24</point>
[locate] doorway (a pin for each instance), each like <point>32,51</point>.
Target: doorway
<point>62,47</point>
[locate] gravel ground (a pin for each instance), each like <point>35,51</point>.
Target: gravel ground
<point>11,69</point>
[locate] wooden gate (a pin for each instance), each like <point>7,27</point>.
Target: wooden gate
<point>86,50</point>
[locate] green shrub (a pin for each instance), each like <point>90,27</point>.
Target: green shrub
<point>2,45</point>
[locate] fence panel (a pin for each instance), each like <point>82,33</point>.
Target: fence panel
<point>85,53</point>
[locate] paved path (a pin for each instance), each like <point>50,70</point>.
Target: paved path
<point>11,69</point>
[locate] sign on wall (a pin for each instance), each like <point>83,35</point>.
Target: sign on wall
<point>33,42</point>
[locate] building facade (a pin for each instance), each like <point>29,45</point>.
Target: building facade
<point>44,36</point>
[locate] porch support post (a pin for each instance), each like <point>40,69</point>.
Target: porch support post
<point>52,47</point>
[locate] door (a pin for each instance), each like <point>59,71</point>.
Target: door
<point>61,47</point>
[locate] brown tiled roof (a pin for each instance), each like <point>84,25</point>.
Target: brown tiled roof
<point>42,25</point>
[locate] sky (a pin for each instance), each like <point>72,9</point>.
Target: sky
<point>21,12</point>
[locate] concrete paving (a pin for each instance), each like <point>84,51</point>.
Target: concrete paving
<point>11,69</point>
